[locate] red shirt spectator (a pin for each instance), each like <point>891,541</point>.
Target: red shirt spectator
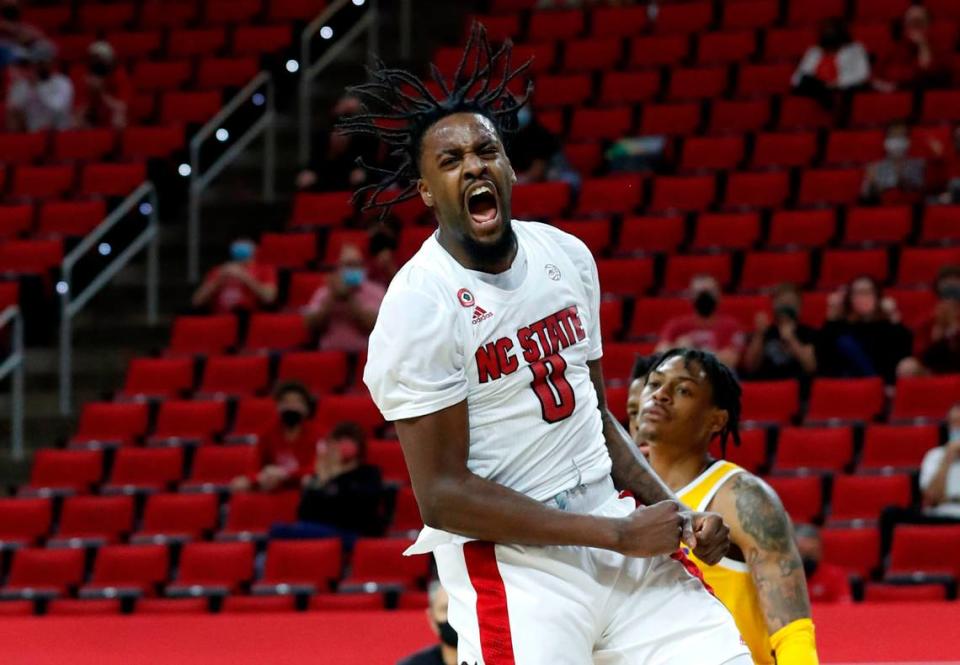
<point>705,329</point>
<point>242,284</point>
<point>913,61</point>
<point>103,97</point>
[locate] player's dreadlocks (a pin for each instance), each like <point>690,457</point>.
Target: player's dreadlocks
<point>399,108</point>
<point>725,387</point>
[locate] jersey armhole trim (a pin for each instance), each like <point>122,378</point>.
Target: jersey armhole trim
<point>708,497</point>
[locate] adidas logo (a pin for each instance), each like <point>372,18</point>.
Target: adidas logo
<point>480,314</point>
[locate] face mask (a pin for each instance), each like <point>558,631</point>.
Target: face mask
<point>950,293</point>
<point>809,566</point>
<point>954,434</point>
<point>830,41</point>
<point>524,116</point>
<point>896,146</point>
<point>705,303</point>
<point>353,277</point>
<point>10,13</point>
<point>787,312</point>
<point>291,417</point>
<point>99,68</point>
<point>241,251</point>
<point>447,634</point>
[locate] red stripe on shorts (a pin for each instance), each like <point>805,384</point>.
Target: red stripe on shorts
<point>691,568</point>
<point>495,640</point>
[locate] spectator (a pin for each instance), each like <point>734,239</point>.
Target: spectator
<point>343,492</point>
<point>241,284</point>
<point>15,35</point>
<point>536,153</point>
<point>705,329</point>
<point>946,177</point>
<point>383,253</point>
<point>287,452</point>
<point>444,653</point>
<point>826,582</point>
<point>103,99</point>
<point>898,178</point>
<point>835,63</point>
<point>334,162</point>
<point>913,61</point>
<point>938,339</point>
<point>863,335</point>
<point>345,309</point>
<point>39,97</point>
<point>783,348</point>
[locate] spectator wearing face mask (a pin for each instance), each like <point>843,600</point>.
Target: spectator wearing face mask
<point>444,653</point>
<point>836,63</point>
<point>15,35</point>
<point>287,452</point>
<point>240,285</point>
<point>39,97</point>
<point>344,310</point>
<point>938,339</point>
<point>783,348</point>
<point>913,62</point>
<point>898,178</point>
<point>863,335</point>
<point>704,328</point>
<point>826,582</point>
<point>104,96</point>
<point>334,163</point>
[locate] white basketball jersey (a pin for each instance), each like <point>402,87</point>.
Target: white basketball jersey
<point>518,355</point>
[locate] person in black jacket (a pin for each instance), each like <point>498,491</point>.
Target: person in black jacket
<point>444,653</point>
<point>863,335</point>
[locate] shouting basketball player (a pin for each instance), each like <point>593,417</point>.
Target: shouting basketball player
<point>486,354</point>
<point>687,399</point>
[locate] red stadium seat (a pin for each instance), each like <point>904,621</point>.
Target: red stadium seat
<point>9,294</point>
<point>251,514</point>
<point>802,113</point>
<point>380,561</point>
<point>941,225</point>
<point>276,332</point>
<point>671,119</point>
<point>914,305</point>
<point>684,17</point>
<point>812,12</point>
<point>610,123</point>
<point>162,74</point>
<point>854,146</point>
<point>875,37</point>
<point>542,55</point>
<point>360,409</point>
<point>770,401</point>
<point>618,361</point>
<point>920,265</point>
<point>611,318</point>
<point>744,308</point>
<point>110,423</point>
<point>555,25</point>
<point>149,142</point>
<point>254,417</point>
<point>621,21</point>
<point>726,47</point>
<point>215,567</point>
<point>183,107</point>
<point>802,497</point>
<point>226,72</point>
<point>738,116</point>
<point>657,50</point>
<point>650,315</point>
<point>42,181</point>
<point>235,375</point>
<point>650,234</point>
<point>203,334</point>
<point>158,377</point>
<point>145,469</point>
<point>70,218</point>
<point>592,54</point>
<point>845,399</point>
<point>231,11</point>
<point>841,266</point>
<point>751,454</point>
<point>257,39</point>
<point>673,193</point>
<point>140,569</point>
<point>351,602</point>
<point>696,83</point>
<point>726,231</point>
<point>51,18</point>
<point>594,233</point>
<point>562,90</point>
<point>337,239</point>
<point>879,109</point>
<point>196,42</point>
<point>406,513</point>
<point>627,277</point>
<point>880,10</point>
<point>93,520</point>
<point>923,398</point>
<point>41,572</point>
<point>540,200</point>
<point>783,149</point>
<point>36,257</point>
<point>215,466</point>
<point>111,179</point>
<point>681,269</point>
<point>879,592</point>
<point>814,448</point>
<point>864,497</point>
<point>711,153</point>
<point>750,14</point>
<point>183,421</point>
<point>855,549</point>
<point>765,270</point>
<point>23,147</point>
<point>757,190</point>
<point>326,209</point>
<point>168,517</point>
<point>302,287</point>
<point>24,521</point>
<point>97,16</point>
<point>919,551</point>
<point>15,220</point>
<point>802,228</point>
<point>64,471</point>
<point>764,80</point>
<point>498,28</point>
<point>321,371</point>
<point>136,44</point>
<point>629,87</point>
<point>585,157</point>
<point>813,311</point>
<point>940,106</point>
<point>830,187</point>
<point>889,225</point>
<point>305,565</point>
<point>294,10</point>
<point>612,194</point>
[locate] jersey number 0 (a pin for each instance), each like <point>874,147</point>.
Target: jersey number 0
<point>552,388</point>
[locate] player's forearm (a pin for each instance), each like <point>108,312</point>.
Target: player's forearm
<point>477,508</point>
<point>781,587</point>
<point>631,471</point>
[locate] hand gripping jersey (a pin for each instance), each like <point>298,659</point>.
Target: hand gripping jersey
<point>515,346</point>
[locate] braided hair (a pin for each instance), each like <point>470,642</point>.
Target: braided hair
<point>399,108</point>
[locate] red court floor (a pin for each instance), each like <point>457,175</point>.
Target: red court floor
<point>892,634</point>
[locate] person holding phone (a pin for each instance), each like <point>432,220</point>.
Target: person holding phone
<point>781,347</point>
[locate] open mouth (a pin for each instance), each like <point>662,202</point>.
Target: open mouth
<point>481,203</point>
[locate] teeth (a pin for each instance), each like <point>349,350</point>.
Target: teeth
<point>482,189</point>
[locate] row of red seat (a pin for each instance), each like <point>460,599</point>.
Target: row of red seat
<point>134,142</point>
<point>95,179</point>
<point>916,551</point>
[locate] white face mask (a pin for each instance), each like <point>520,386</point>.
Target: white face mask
<point>954,434</point>
<point>896,146</point>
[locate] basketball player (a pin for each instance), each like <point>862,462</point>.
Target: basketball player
<point>687,399</point>
<point>486,355</point>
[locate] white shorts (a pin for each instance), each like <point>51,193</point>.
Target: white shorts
<point>519,605</point>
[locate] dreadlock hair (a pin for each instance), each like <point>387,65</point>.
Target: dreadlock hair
<point>400,118</point>
<point>725,387</point>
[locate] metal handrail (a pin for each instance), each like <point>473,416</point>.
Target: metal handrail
<point>70,306</point>
<point>13,364</point>
<point>310,70</point>
<point>199,181</point>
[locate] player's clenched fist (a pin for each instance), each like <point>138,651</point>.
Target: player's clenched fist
<point>711,537</point>
<point>652,530</point>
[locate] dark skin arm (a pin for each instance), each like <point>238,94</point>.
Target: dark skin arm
<point>760,528</point>
<point>454,499</point>
<point>705,533</point>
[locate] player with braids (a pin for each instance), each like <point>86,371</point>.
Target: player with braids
<point>486,356</point>
<point>679,403</point>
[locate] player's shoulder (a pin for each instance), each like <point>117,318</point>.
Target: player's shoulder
<point>554,238</point>
<point>421,280</point>
<point>752,508</point>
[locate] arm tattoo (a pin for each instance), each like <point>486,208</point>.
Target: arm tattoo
<point>773,560</point>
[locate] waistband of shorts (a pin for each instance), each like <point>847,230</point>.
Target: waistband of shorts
<point>584,498</point>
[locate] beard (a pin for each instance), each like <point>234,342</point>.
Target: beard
<point>491,253</point>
